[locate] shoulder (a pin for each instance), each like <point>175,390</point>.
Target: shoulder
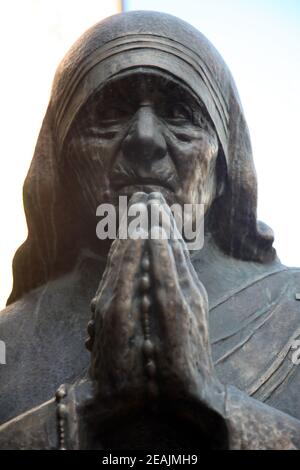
<point>44,335</point>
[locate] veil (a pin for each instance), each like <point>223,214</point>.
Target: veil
<point>121,42</point>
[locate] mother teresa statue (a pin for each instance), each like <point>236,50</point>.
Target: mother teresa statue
<point>185,348</point>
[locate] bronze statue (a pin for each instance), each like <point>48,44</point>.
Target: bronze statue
<point>187,349</point>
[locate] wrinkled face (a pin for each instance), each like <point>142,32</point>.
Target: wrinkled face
<point>143,131</point>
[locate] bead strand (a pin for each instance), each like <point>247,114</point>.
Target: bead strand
<point>148,346</point>
<point>61,416</point>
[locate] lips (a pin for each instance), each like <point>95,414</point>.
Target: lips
<point>126,184</point>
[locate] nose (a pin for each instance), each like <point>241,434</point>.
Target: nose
<point>145,139</point>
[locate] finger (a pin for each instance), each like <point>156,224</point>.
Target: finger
<point>174,321</point>
<point>115,265</point>
<point>158,206</point>
<point>163,268</point>
<point>138,197</point>
<point>160,213</point>
<point>118,329</point>
<point>128,277</point>
<point>116,313</point>
<point>137,205</point>
<point>115,255</point>
<point>175,286</point>
<point>185,269</point>
<point>138,221</point>
<point>172,271</point>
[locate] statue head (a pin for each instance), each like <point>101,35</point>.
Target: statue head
<point>143,130</point>
<point>142,101</point>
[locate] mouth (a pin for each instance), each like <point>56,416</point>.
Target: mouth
<point>146,184</point>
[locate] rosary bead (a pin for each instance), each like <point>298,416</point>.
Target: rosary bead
<point>151,369</point>
<point>145,304</point>
<point>62,411</point>
<point>148,348</point>
<point>91,327</point>
<point>89,344</point>
<point>60,393</point>
<point>145,282</point>
<point>146,263</point>
<point>93,305</point>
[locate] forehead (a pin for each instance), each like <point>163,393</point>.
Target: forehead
<point>140,83</point>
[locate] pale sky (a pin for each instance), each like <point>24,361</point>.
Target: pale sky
<point>259,40</point>
<point>34,36</point>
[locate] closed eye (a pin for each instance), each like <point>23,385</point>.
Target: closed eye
<point>112,114</point>
<point>178,112</point>
<point>103,132</point>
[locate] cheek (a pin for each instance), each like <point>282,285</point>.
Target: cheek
<point>87,164</point>
<point>91,158</point>
<point>205,152</point>
<point>196,161</point>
